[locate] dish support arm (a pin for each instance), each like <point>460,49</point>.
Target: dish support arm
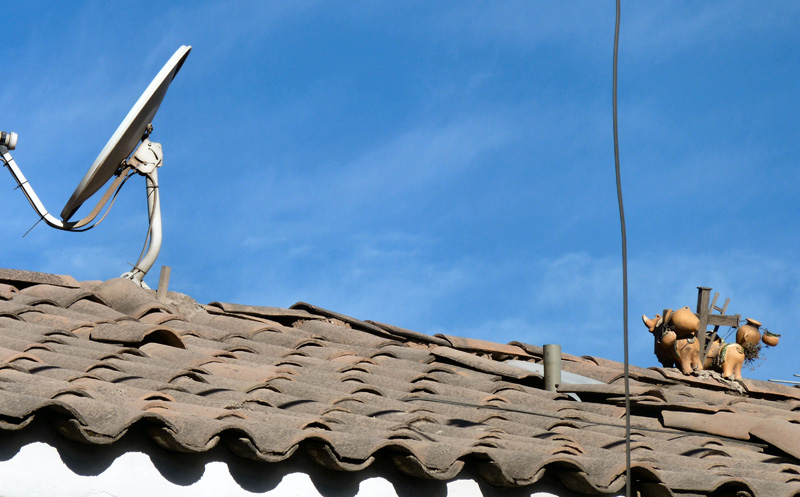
<point>144,264</point>
<point>27,189</point>
<point>146,160</point>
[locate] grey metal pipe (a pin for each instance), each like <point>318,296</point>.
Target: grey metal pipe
<point>138,273</point>
<point>552,366</point>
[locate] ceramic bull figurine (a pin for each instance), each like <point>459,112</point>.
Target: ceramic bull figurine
<point>676,343</point>
<point>726,358</point>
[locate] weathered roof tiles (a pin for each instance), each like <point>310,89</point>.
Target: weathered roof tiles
<point>96,359</point>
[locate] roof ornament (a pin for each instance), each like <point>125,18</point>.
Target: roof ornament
<point>128,152</point>
<point>682,338</point>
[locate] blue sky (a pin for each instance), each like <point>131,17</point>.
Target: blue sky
<point>445,167</point>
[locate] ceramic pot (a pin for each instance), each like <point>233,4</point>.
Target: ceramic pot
<point>748,333</point>
<point>770,339</point>
<point>685,322</point>
<point>668,339</point>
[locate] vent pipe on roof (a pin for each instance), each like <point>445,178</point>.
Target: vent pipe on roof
<point>552,367</point>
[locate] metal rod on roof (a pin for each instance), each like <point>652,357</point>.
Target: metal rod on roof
<point>163,283</point>
<point>552,367</point>
<point>626,362</point>
<point>787,382</point>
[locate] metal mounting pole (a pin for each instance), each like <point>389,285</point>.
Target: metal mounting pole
<point>154,247</point>
<point>163,283</point>
<point>146,159</point>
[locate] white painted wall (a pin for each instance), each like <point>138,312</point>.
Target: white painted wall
<point>37,470</point>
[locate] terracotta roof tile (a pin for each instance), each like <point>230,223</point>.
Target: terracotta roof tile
<point>232,325</point>
<point>353,322</point>
<point>134,333</point>
<point>90,307</point>
<point>125,296</point>
<point>32,300</point>
<point>482,364</point>
<point>15,308</point>
<point>194,356</point>
<point>483,346</point>
<point>342,335</point>
<point>7,290</point>
<point>273,313</point>
<point>768,389</point>
<point>62,296</point>
<point>538,351</point>
<point>21,279</point>
<point>409,334</point>
<point>267,382</point>
<point>779,433</point>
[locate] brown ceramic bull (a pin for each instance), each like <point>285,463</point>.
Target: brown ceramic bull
<point>683,349</point>
<point>726,358</point>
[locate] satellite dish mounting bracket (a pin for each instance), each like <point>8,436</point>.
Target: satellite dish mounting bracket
<point>129,150</point>
<point>146,160</point>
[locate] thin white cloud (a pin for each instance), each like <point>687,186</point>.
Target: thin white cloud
<point>649,30</point>
<point>384,276</point>
<point>657,29</point>
<point>394,175</point>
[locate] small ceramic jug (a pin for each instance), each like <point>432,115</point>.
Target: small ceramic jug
<point>685,321</point>
<point>748,333</point>
<point>770,339</point>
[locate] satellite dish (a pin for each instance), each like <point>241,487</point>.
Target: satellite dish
<point>128,152</point>
<point>127,135</point>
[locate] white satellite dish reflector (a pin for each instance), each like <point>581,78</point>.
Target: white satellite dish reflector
<point>129,150</point>
<point>127,135</point>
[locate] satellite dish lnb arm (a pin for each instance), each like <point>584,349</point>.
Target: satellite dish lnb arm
<point>37,205</point>
<point>28,191</point>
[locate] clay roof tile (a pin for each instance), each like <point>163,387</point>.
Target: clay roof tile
<point>267,382</point>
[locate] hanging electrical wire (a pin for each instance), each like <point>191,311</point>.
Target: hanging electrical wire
<point>624,264</point>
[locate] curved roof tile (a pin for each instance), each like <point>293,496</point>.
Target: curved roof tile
<point>267,382</point>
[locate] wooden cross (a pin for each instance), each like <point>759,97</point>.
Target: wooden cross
<point>704,312</point>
